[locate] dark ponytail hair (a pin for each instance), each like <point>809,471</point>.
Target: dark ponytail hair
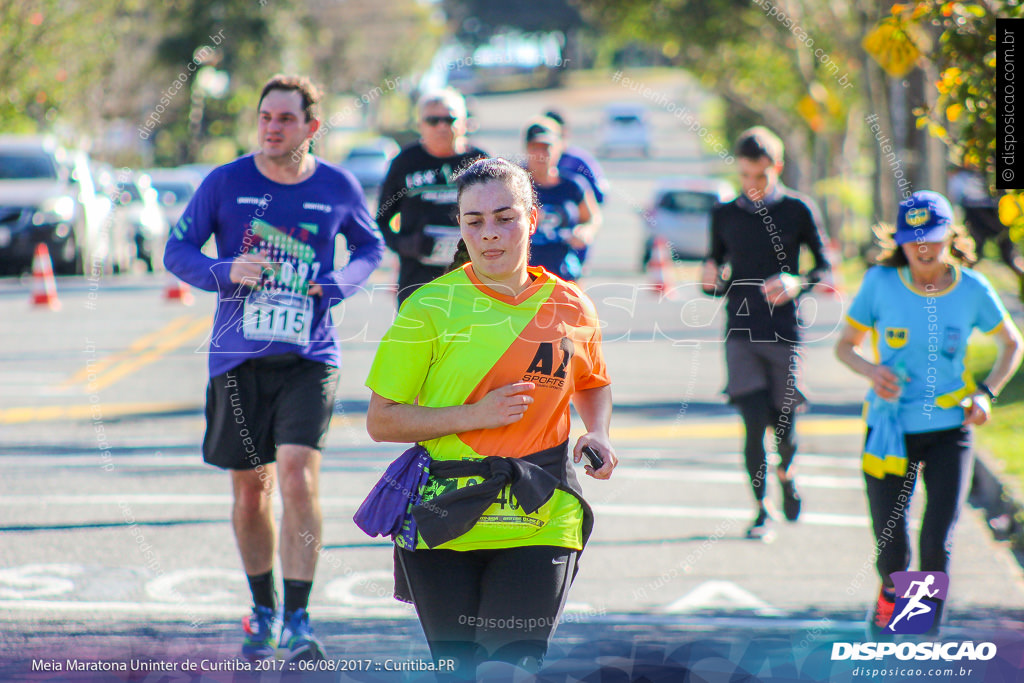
<point>461,257</point>
<point>515,178</point>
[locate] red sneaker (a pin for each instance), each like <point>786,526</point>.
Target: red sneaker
<point>879,617</point>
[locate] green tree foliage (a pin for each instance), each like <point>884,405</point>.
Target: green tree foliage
<point>793,65</point>
<point>353,46</point>
<point>759,56</point>
<point>55,57</point>
<point>349,47</point>
<point>85,69</point>
<point>249,52</point>
<point>964,115</point>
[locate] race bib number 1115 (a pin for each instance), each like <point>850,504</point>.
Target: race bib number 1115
<point>277,316</point>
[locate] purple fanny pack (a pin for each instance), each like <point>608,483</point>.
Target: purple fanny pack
<point>387,510</point>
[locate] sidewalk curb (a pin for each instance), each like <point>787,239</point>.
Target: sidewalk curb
<point>999,496</point>
<point>1002,501</point>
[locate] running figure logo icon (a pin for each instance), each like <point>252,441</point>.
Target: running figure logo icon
<point>917,596</point>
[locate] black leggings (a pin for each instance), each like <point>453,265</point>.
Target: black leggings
<point>943,458</point>
<point>489,604</point>
<point>758,415</point>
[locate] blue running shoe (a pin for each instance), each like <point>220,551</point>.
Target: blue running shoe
<point>297,639</point>
<point>259,627</point>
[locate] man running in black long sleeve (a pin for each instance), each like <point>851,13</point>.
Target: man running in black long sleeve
<point>420,190</point>
<point>759,236</point>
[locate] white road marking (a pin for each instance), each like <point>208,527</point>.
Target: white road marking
<point>611,509</point>
<point>681,511</point>
<point>152,499</point>
<point>38,580</point>
<point>363,589</point>
<point>831,462</point>
<point>193,462</point>
<point>169,587</point>
<point>734,476</point>
<point>174,612</point>
<point>721,595</point>
<point>632,460</point>
<point>16,610</point>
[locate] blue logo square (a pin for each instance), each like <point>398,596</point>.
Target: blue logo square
<point>917,601</point>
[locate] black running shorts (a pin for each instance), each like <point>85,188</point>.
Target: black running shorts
<point>774,367</point>
<point>265,403</point>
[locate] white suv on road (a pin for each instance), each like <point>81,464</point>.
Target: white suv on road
<point>46,196</point>
<point>626,128</point>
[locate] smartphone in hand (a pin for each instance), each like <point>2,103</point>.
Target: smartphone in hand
<point>596,461</point>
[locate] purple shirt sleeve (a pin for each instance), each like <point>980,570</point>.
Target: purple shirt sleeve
<point>183,255</point>
<point>365,247</point>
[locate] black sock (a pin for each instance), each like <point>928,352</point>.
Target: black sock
<point>262,587</point>
<point>296,594</point>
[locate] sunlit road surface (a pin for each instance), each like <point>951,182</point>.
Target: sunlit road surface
<point>114,532</point>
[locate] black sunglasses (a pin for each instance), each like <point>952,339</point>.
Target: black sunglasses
<point>434,120</point>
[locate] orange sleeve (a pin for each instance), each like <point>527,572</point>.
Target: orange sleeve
<point>596,371</point>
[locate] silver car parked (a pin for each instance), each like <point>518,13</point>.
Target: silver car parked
<point>680,213</point>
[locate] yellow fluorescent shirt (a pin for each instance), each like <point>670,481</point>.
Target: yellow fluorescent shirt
<point>453,342</point>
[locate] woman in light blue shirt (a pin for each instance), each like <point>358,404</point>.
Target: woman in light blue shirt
<point>920,305</point>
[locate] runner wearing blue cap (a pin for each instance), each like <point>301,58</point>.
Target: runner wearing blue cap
<point>579,161</point>
<point>569,217</point>
<point>921,304</point>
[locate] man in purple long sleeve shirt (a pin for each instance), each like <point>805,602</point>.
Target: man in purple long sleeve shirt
<point>274,353</point>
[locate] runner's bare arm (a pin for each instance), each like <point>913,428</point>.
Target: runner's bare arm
<point>1009,353</point>
<point>387,420</point>
<point>595,409</point>
<point>590,220</point>
<point>883,380</point>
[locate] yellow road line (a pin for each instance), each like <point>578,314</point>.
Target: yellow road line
<point>838,426</point>
<point>718,429</point>
<point>137,346</point>
<point>93,411</point>
<point>167,345</point>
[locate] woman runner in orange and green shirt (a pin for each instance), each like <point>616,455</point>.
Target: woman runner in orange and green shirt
<point>479,368</point>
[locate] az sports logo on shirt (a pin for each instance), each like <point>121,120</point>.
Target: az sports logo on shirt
<point>542,370</point>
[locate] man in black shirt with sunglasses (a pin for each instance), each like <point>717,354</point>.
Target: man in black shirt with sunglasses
<point>417,206</point>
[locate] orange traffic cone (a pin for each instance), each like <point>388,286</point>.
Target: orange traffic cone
<point>44,286</point>
<point>660,267</point>
<point>176,290</point>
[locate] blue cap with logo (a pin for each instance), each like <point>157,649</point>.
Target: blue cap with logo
<point>923,217</point>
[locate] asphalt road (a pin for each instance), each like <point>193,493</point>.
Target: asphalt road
<point>131,554</point>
